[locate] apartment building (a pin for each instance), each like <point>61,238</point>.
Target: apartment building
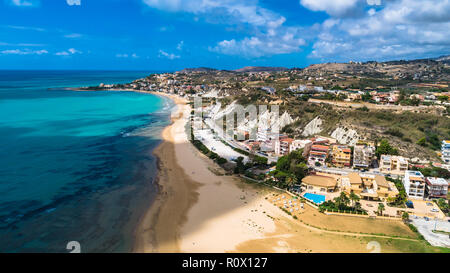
<point>414,183</point>
<point>393,164</point>
<point>368,187</point>
<point>304,144</point>
<point>436,187</point>
<point>282,146</point>
<point>318,154</point>
<point>363,156</point>
<point>341,156</point>
<point>445,150</point>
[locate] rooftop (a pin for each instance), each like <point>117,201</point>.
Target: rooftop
<point>437,181</point>
<point>318,180</point>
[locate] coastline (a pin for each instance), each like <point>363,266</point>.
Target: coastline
<point>159,228</point>
<point>198,209</point>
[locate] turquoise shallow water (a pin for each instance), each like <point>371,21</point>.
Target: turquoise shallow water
<point>75,166</point>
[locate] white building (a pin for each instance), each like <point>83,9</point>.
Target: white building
<point>446,151</point>
<point>393,164</point>
<point>414,183</point>
<point>436,187</point>
<point>363,156</point>
<point>304,144</point>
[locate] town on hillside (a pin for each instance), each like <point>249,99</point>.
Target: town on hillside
<point>363,138</point>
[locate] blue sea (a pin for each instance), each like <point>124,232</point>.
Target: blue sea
<point>75,166</point>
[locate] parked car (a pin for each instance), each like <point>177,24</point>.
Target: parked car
<point>426,218</point>
<point>434,210</point>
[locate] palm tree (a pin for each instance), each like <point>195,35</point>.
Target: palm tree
<point>380,208</point>
<point>342,200</point>
<point>291,180</point>
<point>354,198</point>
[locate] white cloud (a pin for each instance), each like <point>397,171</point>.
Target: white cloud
<point>25,3</point>
<point>70,51</point>
<point>399,29</point>
<point>21,44</point>
<point>73,2</point>
<point>25,28</point>
<point>73,36</point>
<point>267,33</point>
<point>234,10</point>
<point>332,7</point>
<point>23,52</point>
<point>125,55</point>
<point>180,45</point>
<point>169,56</point>
<point>260,46</point>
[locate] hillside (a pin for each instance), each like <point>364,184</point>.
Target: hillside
<point>260,69</point>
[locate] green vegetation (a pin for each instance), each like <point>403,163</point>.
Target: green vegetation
<point>385,149</point>
<point>434,172</point>
<point>290,169</point>
<point>381,208</point>
<point>204,150</point>
<point>342,204</point>
<point>401,198</point>
<point>444,206</point>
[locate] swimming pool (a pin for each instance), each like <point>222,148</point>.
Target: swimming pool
<point>316,198</point>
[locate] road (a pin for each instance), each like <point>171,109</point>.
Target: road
<point>426,229</point>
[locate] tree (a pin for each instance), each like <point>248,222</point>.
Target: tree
<point>385,149</point>
<point>291,180</point>
<point>283,163</point>
<point>354,198</point>
<point>405,216</point>
<point>293,164</point>
<point>342,200</point>
<point>240,167</point>
<point>422,142</point>
<point>381,208</point>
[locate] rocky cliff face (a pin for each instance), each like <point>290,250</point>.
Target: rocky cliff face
<point>344,135</point>
<point>313,128</point>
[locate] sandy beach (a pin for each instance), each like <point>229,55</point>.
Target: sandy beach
<point>199,209</point>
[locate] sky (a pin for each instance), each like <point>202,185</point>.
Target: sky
<point>167,35</point>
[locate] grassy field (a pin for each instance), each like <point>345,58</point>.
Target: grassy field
<point>355,224</point>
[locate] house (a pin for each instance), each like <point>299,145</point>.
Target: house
<point>318,154</point>
<point>363,156</point>
<point>341,156</point>
<point>301,144</point>
<point>269,90</point>
<point>414,183</point>
<point>368,186</point>
<point>436,187</point>
<point>393,164</point>
<point>445,150</point>
<point>318,183</point>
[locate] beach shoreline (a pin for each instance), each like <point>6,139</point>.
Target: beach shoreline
<point>200,209</point>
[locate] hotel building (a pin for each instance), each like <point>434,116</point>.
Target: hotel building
<point>318,183</point>
<point>368,187</point>
<point>414,183</point>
